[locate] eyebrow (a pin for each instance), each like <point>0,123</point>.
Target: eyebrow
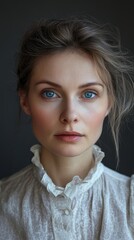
<point>59,86</point>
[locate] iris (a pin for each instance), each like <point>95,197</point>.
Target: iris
<point>89,94</point>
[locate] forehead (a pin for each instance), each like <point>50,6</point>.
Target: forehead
<point>67,66</point>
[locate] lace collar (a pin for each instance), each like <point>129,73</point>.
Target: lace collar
<point>77,185</point>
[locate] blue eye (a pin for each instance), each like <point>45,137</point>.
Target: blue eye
<point>48,94</point>
<point>89,94</point>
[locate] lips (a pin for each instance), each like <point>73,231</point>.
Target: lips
<point>67,133</point>
<point>69,136</point>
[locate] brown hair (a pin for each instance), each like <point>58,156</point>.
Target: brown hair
<point>113,65</point>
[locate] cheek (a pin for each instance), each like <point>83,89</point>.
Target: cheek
<point>42,119</point>
<point>96,118</point>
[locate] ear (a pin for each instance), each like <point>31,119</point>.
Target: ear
<point>24,102</point>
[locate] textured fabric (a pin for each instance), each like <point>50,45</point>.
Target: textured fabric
<point>100,207</point>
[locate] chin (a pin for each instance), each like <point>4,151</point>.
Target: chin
<point>69,153</point>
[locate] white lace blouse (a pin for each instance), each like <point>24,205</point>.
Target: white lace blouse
<point>100,207</point>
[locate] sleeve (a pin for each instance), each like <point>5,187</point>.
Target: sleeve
<point>132,203</point>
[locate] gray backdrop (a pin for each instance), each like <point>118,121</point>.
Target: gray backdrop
<point>16,16</point>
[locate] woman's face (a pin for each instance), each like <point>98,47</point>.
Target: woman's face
<point>67,102</point>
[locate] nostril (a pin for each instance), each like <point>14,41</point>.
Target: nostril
<point>64,120</point>
<point>69,119</point>
<point>69,116</point>
<point>76,119</point>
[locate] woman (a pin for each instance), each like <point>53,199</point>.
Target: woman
<point>71,75</point>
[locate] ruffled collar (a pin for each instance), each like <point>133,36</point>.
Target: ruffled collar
<point>77,185</point>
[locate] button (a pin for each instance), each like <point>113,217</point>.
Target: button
<point>67,212</point>
<point>73,203</point>
<point>76,180</point>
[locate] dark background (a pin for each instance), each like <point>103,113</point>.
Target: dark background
<point>15,17</point>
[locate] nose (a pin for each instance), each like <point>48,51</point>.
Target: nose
<point>69,114</point>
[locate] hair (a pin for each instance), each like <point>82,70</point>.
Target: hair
<point>114,66</point>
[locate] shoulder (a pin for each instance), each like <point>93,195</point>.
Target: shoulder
<point>16,198</point>
<point>117,181</point>
<point>16,193</point>
<point>16,175</point>
<point>16,183</point>
<point>120,189</point>
<point>115,176</point>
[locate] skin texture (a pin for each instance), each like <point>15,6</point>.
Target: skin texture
<point>79,103</point>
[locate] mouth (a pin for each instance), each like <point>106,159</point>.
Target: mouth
<point>71,137</point>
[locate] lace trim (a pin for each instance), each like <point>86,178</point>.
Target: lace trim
<point>77,185</point>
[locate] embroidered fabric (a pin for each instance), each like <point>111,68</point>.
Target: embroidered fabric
<point>100,207</point>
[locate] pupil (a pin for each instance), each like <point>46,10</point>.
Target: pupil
<point>49,94</point>
<point>88,94</point>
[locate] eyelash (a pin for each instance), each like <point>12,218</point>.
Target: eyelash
<point>44,94</point>
<point>53,94</point>
<point>92,94</point>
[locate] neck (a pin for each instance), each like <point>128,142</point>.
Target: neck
<point>62,169</point>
